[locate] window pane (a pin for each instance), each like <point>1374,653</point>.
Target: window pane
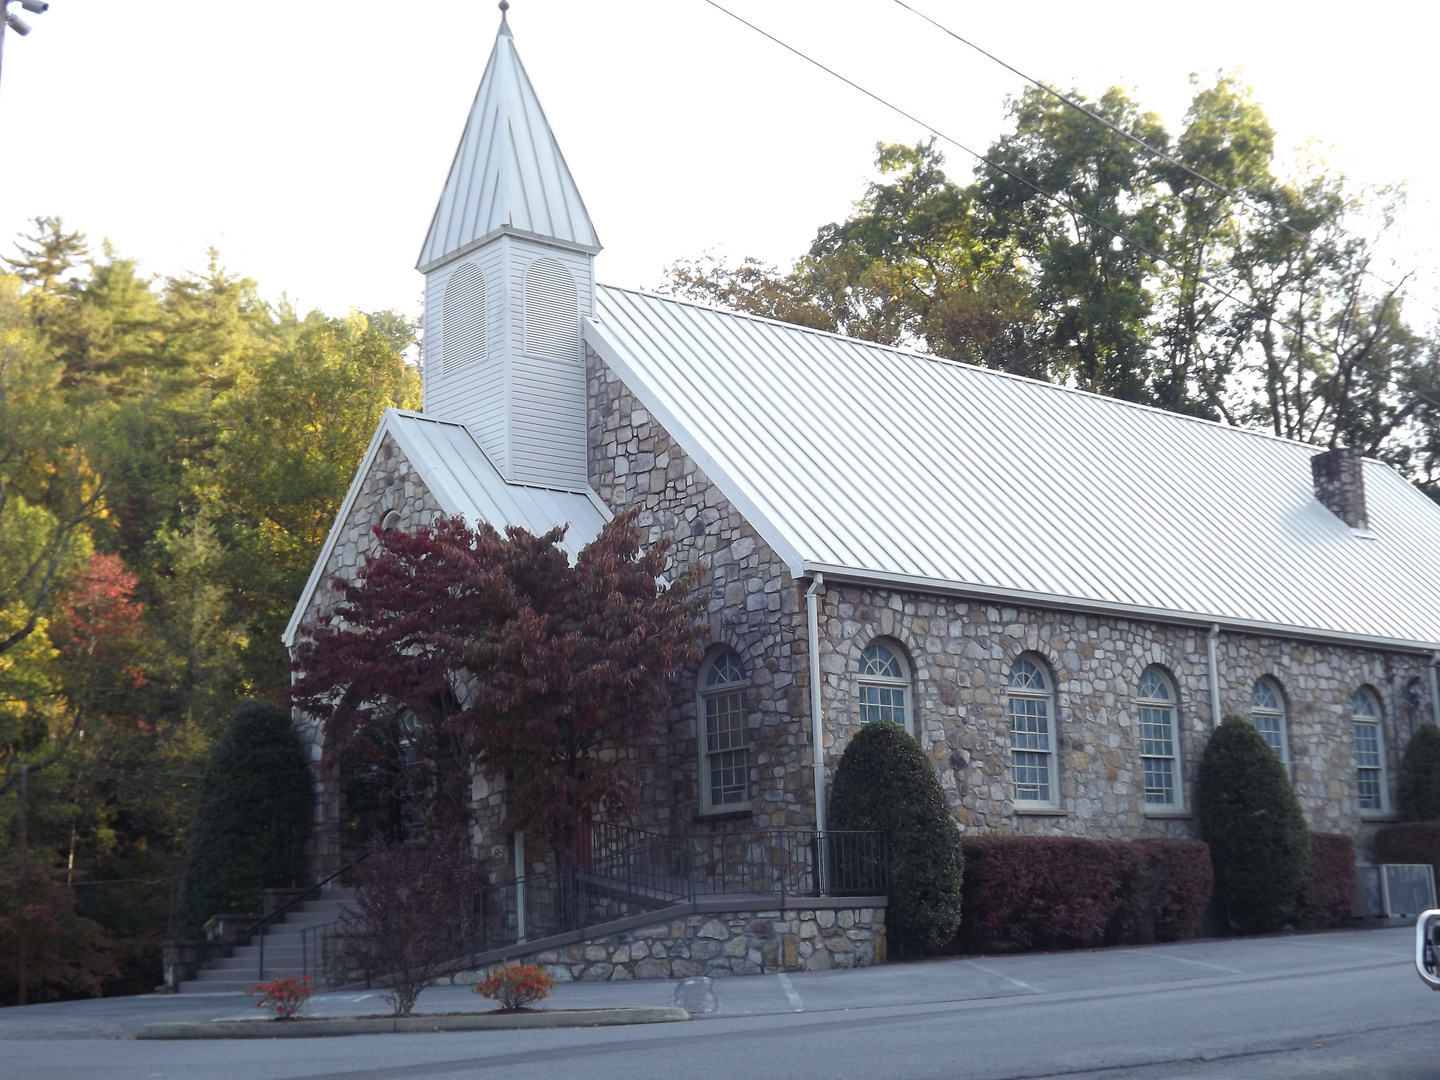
<point>1269,727</point>
<point>1027,676</point>
<point>1159,780</point>
<point>882,703</point>
<point>728,668</point>
<point>878,660</point>
<point>1156,733</point>
<point>727,757</point>
<point>1153,686</point>
<point>1265,697</point>
<point>1032,776</point>
<point>1029,724</point>
<point>1364,705</point>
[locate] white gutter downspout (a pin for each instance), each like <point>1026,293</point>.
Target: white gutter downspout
<point>817,727</point>
<point>1210,640</point>
<point>1435,688</point>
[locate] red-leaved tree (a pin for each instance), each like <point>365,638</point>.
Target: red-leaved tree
<point>510,658</point>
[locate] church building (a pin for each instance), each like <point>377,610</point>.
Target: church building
<point>1058,594</point>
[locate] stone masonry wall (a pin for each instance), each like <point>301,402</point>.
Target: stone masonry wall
<point>961,651</point>
<point>730,943</point>
<point>391,484</point>
<point>754,608</point>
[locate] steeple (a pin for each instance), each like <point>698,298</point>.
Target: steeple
<point>509,267</point>
<point>508,174</point>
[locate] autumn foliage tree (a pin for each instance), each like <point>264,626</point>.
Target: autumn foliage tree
<point>511,659</point>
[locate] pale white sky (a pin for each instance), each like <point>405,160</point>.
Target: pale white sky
<point>309,139</point>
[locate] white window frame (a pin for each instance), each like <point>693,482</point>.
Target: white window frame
<point>721,697</point>
<point>1373,716</point>
<point>1156,758</point>
<point>1279,714</point>
<point>1036,706</point>
<point>875,689</point>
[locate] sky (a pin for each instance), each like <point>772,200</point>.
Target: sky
<point>309,140</point>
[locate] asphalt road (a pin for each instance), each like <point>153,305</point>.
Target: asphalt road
<point>1342,1004</point>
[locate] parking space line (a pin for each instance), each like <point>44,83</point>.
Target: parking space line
<point>999,975</point>
<point>1200,963</point>
<point>791,993</point>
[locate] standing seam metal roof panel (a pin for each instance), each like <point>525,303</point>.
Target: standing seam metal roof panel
<point>889,462</point>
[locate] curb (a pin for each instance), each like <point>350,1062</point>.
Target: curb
<point>388,1025</point>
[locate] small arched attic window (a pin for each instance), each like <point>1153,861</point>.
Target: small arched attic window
<point>552,311</point>
<point>390,521</point>
<point>462,320</point>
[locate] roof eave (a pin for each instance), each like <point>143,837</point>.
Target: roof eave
<point>1022,598</point>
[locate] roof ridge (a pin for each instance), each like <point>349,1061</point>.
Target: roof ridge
<point>920,354</point>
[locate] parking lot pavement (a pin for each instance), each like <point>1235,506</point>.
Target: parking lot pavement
<point>926,982</point>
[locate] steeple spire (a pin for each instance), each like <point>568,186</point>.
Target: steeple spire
<point>508,174</point>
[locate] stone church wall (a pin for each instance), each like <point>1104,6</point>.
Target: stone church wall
<point>961,652</point>
<point>755,608</point>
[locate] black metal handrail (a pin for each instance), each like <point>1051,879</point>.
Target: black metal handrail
<point>285,908</point>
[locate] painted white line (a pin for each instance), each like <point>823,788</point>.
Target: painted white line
<point>999,975</point>
<point>1200,963</point>
<point>789,989</point>
<point>1354,948</point>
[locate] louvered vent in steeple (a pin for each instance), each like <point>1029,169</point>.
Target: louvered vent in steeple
<point>552,311</point>
<point>462,320</point>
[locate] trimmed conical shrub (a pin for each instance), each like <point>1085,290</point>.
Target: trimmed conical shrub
<point>1259,843</point>
<point>1420,775</point>
<point>254,816</point>
<point>884,782</point>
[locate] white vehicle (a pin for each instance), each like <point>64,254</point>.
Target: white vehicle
<point>1427,947</point>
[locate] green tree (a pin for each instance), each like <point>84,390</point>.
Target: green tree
<point>1259,843</point>
<point>1420,775</point>
<point>253,818</point>
<point>885,783</point>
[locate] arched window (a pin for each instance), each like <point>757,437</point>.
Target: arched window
<point>884,686</point>
<point>1267,713</point>
<point>724,746</point>
<point>1369,750</point>
<point>462,320</point>
<point>552,311</point>
<point>1031,705</point>
<point>390,521</point>
<point>1155,698</point>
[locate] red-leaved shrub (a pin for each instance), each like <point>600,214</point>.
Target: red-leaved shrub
<point>515,986</point>
<point>1330,888</point>
<point>1034,892</point>
<point>1178,881</point>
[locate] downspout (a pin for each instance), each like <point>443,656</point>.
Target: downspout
<point>1210,641</point>
<point>519,886</point>
<point>1435,688</point>
<point>817,728</point>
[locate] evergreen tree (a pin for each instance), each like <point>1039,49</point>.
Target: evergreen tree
<point>1420,775</point>
<point>885,783</point>
<point>253,820</point>
<point>1259,843</point>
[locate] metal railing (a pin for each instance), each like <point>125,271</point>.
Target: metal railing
<point>616,881</point>
<point>260,925</point>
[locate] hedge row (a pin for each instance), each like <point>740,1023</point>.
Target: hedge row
<point>1330,887</point>
<point>1032,892</point>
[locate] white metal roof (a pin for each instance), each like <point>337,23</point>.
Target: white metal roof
<point>508,173</point>
<point>464,482</point>
<point>867,462</point>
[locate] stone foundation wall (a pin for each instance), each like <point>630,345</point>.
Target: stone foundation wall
<point>729,943</point>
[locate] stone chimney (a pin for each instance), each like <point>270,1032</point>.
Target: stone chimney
<point>1340,484</point>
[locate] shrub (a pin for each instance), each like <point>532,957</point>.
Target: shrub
<point>1047,892</point>
<point>1411,842</point>
<point>885,783</point>
<point>1330,888</point>
<point>1177,882</point>
<point>1259,844</point>
<point>256,805</point>
<point>285,997</point>
<point>1040,892</point>
<point>412,914</point>
<point>516,986</point>
<point>1420,775</point>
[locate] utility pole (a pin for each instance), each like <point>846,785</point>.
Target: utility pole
<point>24,852</point>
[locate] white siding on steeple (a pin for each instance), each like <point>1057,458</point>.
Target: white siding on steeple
<point>508,173</point>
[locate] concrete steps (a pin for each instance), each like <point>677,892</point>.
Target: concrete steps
<point>289,950</point>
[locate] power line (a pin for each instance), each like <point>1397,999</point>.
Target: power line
<point>1058,200</point>
<point>1155,151</point>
